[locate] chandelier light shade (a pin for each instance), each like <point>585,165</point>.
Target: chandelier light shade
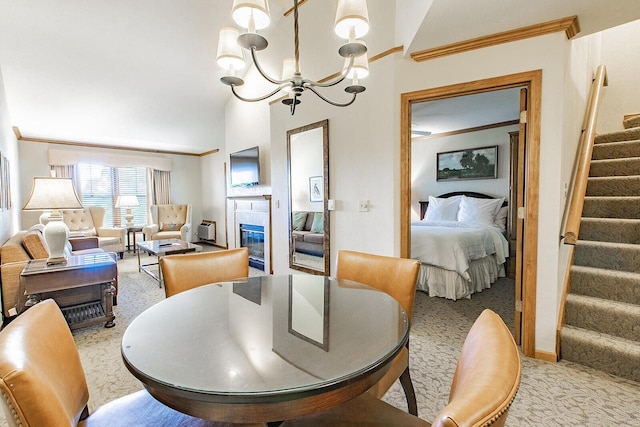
<point>351,23</point>
<point>54,194</point>
<point>127,202</point>
<point>352,19</point>
<point>244,11</point>
<point>229,55</point>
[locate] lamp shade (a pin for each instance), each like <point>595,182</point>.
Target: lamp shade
<point>229,54</point>
<point>129,201</point>
<point>243,10</point>
<point>360,68</point>
<point>52,194</point>
<point>288,68</point>
<point>352,15</point>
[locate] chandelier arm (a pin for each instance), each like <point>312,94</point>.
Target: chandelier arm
<point>308,83</point>
<point>261,71</point>
<point>335,104</point>
<point>241,98</point>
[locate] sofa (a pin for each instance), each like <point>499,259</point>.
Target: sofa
<point>89,222</point>
<point>169,222</point>
<point>24,246</point>
<point>308,232</point>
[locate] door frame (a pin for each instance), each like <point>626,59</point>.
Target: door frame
<point>532,80</point>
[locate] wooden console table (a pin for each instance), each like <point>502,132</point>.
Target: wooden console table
<point>82,287</point>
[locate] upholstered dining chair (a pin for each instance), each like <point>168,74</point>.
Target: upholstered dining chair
<point>43,383</point>
<point>186,271</point>
<point>397,277</point>
<point>485,383</point>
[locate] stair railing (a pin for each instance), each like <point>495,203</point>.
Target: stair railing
<point>573,210</point>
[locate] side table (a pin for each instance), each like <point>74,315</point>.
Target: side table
<point>131,231</point>
<point>82,287</point>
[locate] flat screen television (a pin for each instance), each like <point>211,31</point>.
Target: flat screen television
<point>244,167</point>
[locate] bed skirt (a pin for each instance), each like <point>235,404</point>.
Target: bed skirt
<point>449,284</point>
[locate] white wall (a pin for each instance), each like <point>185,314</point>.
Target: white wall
<point>9,219</point>
<point>423,165</point>
<point>185,176</point>
<point>620,47</point>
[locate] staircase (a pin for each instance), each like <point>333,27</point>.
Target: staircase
<point>602,312</point>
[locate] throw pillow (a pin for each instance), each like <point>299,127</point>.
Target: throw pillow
<point>299,218</point>
<point>33,242</point>
<point>318,223</point>
<point>501,218</point>
<point>170,227</point>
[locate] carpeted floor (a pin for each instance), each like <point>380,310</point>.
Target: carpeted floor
<point>551,394</point>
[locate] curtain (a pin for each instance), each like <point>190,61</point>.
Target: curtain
<point>161,187</point>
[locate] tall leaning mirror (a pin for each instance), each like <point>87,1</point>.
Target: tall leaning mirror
<point>308,170</point>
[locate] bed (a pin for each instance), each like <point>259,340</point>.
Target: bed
<point>460,243</point>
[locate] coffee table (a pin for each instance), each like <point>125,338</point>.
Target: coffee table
<point>159,248</point>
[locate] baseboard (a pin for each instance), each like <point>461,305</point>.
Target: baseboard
<point>546,356</point>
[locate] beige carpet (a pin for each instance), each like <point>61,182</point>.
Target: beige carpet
<point>562,394</point>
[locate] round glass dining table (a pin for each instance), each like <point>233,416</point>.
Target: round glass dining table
<point>267,348</point>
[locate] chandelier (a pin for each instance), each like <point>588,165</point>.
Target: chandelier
<point>351,23</point>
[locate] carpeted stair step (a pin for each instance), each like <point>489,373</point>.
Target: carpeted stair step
<point>621,286</point>
<point>610,230</point>
<point>611,207</point>
<point>609,354</point>
<point>608,255</point>
<point>608,317</point>
<point>629,166</point>
<point>616,150</point>
<point>613,186</point>
<point>632,122</point>
<point>622,135</point>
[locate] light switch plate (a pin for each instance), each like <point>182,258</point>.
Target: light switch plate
<point>330,204</point>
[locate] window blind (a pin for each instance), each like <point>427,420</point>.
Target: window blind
<point>101,185</point>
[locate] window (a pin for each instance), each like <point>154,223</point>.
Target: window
<point>101,185</point>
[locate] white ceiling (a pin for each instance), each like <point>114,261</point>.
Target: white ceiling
<point>142,73</point>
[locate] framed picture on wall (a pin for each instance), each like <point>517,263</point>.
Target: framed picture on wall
<point>316,190</point>
<point>471,163</point>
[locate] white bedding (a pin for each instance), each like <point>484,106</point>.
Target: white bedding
<point>471,255</point>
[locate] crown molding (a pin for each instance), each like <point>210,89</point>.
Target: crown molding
<point>569,25</point>
<point>21,137</point>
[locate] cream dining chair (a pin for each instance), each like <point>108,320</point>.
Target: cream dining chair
<point>397,277</point>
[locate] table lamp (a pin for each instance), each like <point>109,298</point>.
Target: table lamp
<point>54,194</point>
<point>128,202</point>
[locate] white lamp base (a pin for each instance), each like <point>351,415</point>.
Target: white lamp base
<point>129,217</point>
<point>56,234</point>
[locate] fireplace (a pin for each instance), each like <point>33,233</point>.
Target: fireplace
<point>252,229</point>
<point>252,237</point>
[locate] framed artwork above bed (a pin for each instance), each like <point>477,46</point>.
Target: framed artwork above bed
<point>471,163</point>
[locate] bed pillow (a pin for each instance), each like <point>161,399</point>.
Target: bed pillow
<point>501,218</point>
<point>441,209</point>
<point>477,210</point>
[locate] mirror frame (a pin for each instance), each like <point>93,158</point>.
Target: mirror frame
<point>324,124</point>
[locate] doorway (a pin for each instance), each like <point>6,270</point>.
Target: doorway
<point>526,263</point>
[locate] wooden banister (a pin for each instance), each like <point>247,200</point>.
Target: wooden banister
<point>573,211</point>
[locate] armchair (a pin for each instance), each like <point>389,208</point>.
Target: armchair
<point>89,222</point>
<point>169,222</point>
